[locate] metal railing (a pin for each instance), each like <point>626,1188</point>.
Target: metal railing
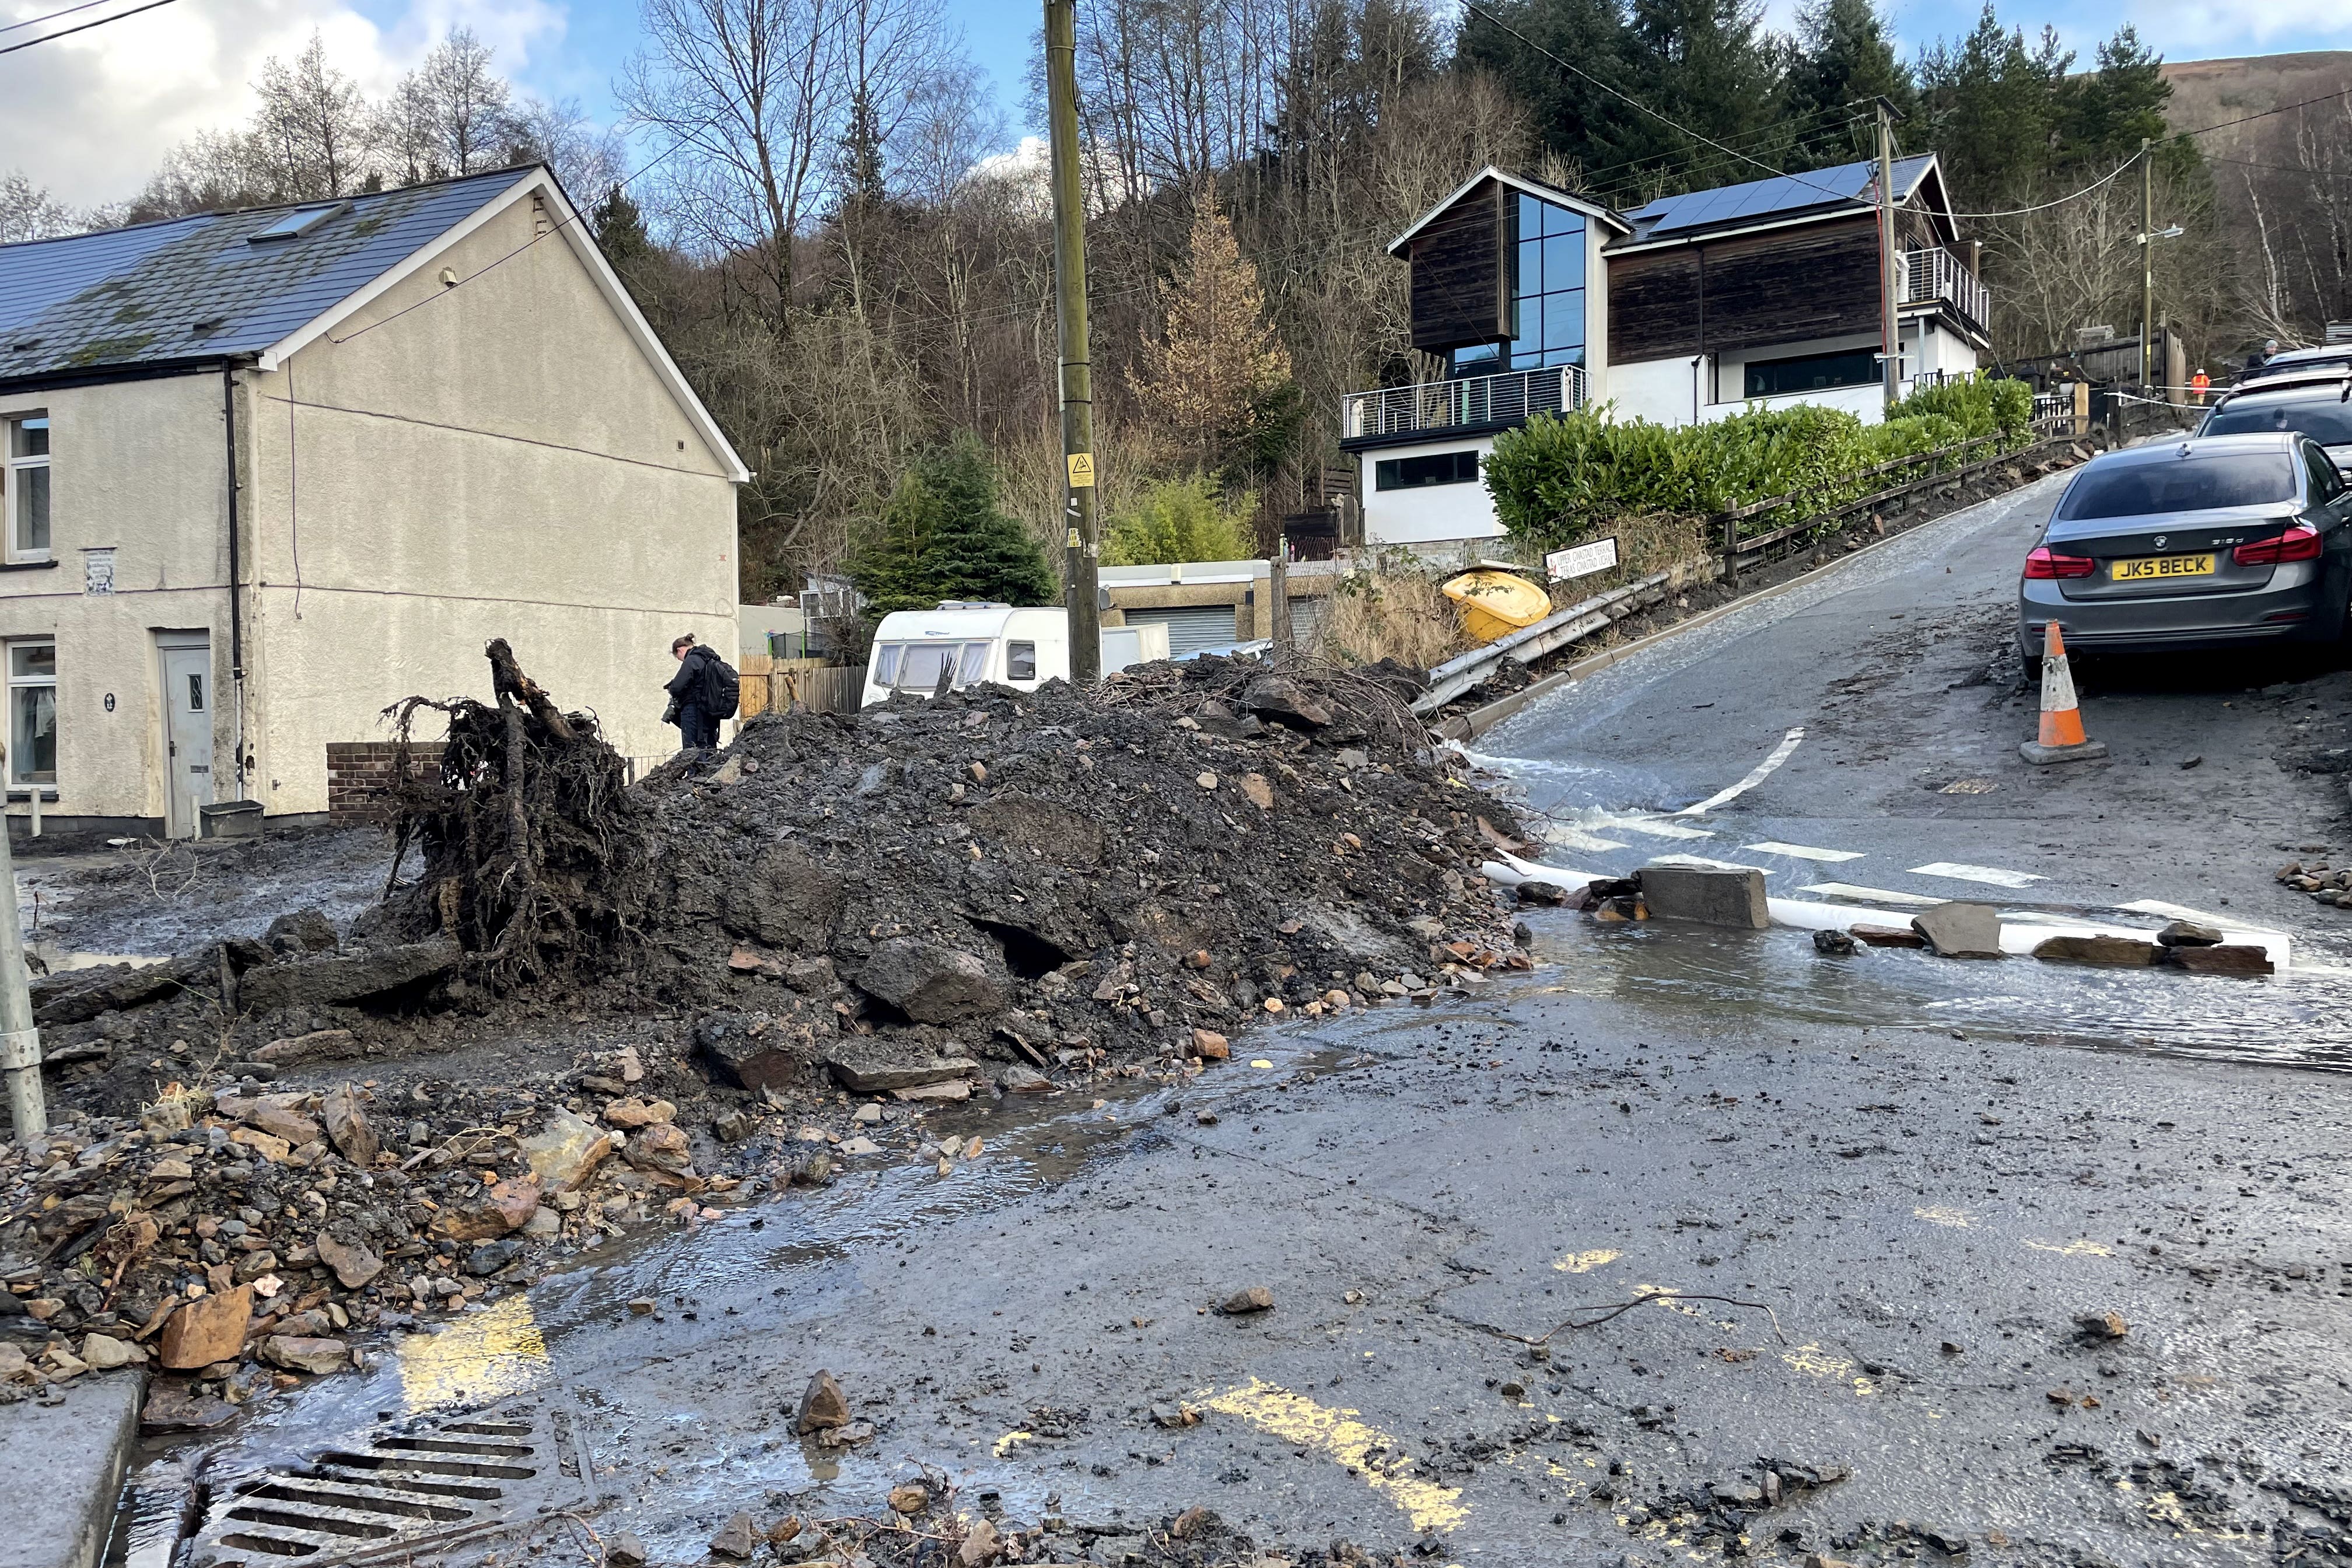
<point>1509,398</point>
<point>1932,275</point>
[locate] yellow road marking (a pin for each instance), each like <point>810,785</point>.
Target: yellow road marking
<point>1959,1219</point>
<point>1340,1436</point>
<point>1815,1361</point>
<point>1586,1262</point>
<point>479,1356</point>
<point>1013,1440</point>
<point>2082,1247</point>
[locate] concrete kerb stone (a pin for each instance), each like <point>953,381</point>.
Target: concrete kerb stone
<point>1709,895</point>
<point>70,1454</point>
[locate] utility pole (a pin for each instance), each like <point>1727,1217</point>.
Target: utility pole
<point>1889,285</point>
<point>20,1043</point>
<point>1081,546</point>
<point>2147,258</point>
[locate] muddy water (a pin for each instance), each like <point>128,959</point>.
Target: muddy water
<point>538,1340</point>
<point>2295,1018</point>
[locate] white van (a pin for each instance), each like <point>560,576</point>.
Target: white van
<point>973,643</point>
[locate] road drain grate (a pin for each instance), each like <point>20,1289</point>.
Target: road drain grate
<point>399,1488</point>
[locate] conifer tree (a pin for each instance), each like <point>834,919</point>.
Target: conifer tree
<point>941,535</point>
<point>1217,376</point>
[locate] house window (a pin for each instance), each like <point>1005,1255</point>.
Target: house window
<point>1549,286</point>
<point>25,487</point>
<point>32,712</point>
<point>1812,373</point>
<point>1436,468</point>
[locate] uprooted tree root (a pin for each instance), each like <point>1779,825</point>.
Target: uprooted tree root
<point>536,859</point>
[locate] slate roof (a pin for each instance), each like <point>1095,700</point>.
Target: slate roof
<point>1782,195</point>
<point>197,288</point>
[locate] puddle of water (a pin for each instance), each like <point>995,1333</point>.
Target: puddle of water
<point>2290,1019</point>
<point>788,1242</point>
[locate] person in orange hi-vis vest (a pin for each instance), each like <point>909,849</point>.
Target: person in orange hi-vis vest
<point>2198,384</point>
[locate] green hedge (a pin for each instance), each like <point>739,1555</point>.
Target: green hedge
<point>1561,476</point>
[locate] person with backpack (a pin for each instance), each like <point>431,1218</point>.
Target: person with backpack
<point>705,691</point>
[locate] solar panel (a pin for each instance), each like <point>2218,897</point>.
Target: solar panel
<point>1762,198</point>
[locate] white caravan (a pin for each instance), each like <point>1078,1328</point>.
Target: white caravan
<point>968,644</point>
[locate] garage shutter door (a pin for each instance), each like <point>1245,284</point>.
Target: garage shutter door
<point>1189,628</point>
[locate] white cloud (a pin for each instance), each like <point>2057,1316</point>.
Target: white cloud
<point>92,115</point>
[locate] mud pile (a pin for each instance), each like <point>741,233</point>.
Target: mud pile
<point>989,893</point>
<point>1044,880</point>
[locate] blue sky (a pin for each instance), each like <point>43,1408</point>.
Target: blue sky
<point>90,117</point>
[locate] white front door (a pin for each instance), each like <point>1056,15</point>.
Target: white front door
<point>187,659</point>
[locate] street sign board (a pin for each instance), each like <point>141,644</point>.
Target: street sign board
<point>1582,560</point>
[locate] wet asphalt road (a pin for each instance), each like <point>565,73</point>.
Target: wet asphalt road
<point>1892,1154</point>
<point>1900,668</point>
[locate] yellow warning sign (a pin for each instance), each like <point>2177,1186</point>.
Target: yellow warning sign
<point>1082,470</point>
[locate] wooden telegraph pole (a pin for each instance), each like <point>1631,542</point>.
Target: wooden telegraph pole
<point>1081,544</point>
<point>1890,326</point>
<point>2147,261</point>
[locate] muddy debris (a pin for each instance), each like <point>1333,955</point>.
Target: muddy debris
<point>688,988</point>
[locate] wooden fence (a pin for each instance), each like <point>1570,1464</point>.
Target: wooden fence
<point>811,685</point>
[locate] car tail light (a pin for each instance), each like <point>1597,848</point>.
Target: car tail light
<point>2045,563</point>
<point>2300,542</point>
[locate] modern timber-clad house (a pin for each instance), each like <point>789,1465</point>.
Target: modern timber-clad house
<point>1686,309</point>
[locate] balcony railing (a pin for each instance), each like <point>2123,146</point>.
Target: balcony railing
<point>1482,400</point>
<point>1929,276</point>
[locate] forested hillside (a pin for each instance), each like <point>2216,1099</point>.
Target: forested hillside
<point>823,209</point>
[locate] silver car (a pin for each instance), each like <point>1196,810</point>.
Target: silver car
<point>2318,405</point>
<point>2214,542</point>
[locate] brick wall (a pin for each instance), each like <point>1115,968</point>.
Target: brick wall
<point>360,776</point>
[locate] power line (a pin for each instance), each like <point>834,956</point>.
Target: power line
<point>576,217</point>
<point>36,21</point>
<point>84,28</point>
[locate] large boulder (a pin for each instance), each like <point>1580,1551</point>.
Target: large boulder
<point>2116,952</point>
<point>322,981</point>
<point>931,982</point>
<point>1283,700</point>
<point>1960,929</point>
<point>1710,895</point>
<point>755,1051</point>
<point>785,899</point>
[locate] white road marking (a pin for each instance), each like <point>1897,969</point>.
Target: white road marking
<point>1711,865</point>
<point>1876,895</point>
<point>1567,837</point>
<point>1762,770</point>
<point>1800,851</point>
<point>1991,875</point>
<point>1655,826</point>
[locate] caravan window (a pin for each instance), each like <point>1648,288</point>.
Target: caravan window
<point>974,661</point>
<point>1021,661</point>
<point>919,669</point>
<point>885,663</point>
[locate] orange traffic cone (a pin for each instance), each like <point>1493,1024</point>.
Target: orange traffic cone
<point>2062,739</point>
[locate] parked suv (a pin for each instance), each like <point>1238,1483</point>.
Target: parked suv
<point>2208,542</point>
<point>2319,406</point>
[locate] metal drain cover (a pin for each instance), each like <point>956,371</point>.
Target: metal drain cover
<point>404,1485</point>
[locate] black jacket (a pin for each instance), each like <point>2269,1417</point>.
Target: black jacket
<point>688,685</point>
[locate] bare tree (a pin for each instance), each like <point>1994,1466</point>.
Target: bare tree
<point>29,212</point>
<point>311,138</point>
<point>452,115</point>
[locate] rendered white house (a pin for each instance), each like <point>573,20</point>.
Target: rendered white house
<point>1687,310</point>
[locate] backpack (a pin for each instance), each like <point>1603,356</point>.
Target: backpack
<point>722,688</point>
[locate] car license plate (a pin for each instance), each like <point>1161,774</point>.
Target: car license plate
<point>2150,568</point>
